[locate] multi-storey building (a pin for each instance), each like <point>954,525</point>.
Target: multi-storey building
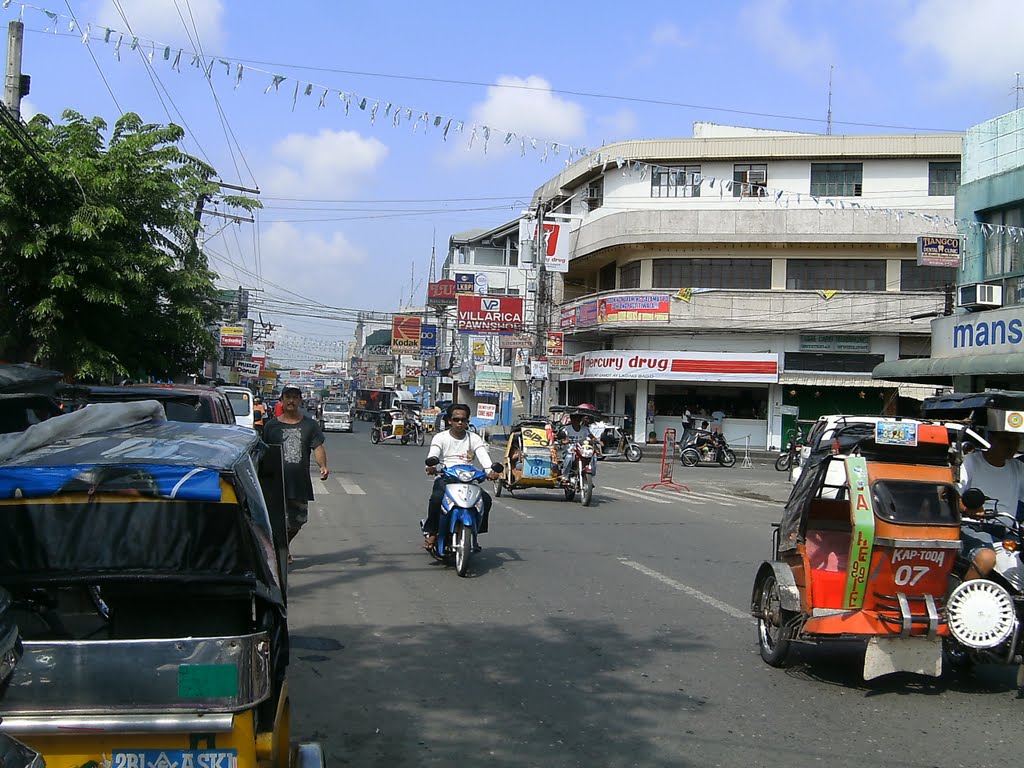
<point>756,272</point>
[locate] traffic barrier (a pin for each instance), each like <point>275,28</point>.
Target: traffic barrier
<point>668,461</point>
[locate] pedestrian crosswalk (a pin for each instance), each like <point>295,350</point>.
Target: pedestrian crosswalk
<point>668,496</point>
<point>334,483</point>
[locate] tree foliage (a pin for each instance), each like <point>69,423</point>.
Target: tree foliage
<point>100,275</point>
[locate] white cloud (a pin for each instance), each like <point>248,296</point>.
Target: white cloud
<point>322,267</point>
<point>527,106</point>
<point>328,164</point>
<point>771,34</point>
<point>669,35</point>
<point>160,20</point>
<point>28,110</point>
<point>972,45</point>
<point>617,126</point>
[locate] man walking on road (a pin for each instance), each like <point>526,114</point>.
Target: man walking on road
<point>298,435</point>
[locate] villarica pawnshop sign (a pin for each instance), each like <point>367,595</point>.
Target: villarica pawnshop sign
<point>490,314</point>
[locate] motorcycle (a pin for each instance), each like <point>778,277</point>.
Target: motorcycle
<point>461,514</point>
<point>986,615</point>
<point>614,441</point>
<point>414,432</point>
<point>707,448</point>
<point>791,456</point>
<point>580,478</point>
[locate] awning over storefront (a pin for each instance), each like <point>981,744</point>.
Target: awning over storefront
<point>941,370</point>
<point>803,379</point>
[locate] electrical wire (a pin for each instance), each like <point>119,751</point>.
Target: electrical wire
<point>96,62</point>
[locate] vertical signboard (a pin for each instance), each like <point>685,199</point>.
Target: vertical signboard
<point>405,335</point>
<point>428,339</point>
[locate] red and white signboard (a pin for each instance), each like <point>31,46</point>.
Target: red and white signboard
<point>405,335</point>
<point>232,337</point>
<point>560,366</point>
<point>441,293</point>
<point>759,367</point>
<point>489,314</point>
<point>486,411</point>
<point>556,246</point>
<point>556,343</point>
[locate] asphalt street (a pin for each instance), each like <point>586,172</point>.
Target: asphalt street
<point>614,635</point>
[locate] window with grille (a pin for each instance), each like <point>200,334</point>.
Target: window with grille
<point>680,181</point>
<point>750,180</point>
<point>837,179</point>
<point>713,273</point>
<point>593,194</point>
<point>629,275</point>
<point>835,274</point>
<point>943,178</point>
<point>1004,251</point>
<point>932,279</point>
<point>606,277</point>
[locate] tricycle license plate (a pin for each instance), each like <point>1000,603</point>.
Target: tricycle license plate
<point>537,468</point>
<point>886,655</point>
<point>896,433</point>
<point>175,758</point>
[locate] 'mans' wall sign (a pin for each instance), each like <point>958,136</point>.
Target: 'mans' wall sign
<point>990,332</point>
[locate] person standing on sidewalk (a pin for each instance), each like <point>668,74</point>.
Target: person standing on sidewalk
<point>298,435</point>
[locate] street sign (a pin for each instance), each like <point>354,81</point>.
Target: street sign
<point>465,282</point>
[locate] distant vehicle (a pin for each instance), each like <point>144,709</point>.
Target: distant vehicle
<point>241,404</point>
<point>193,403</point>
<point>336,416</point>
<point>370,402</point>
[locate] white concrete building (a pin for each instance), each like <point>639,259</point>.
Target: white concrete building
<point>756,272</point>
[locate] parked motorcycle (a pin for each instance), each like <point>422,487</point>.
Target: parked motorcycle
<point>707,448</point>
<point>580,478</point>
<point>986,616</point>
<point>615,441</point>
<point>791,456</point>
<point>461,513</point>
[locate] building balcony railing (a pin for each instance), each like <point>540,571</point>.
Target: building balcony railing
<point>732,310</point>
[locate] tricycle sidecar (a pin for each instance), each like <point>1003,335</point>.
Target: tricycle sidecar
<point>869,558</point>
<point>148,580</point>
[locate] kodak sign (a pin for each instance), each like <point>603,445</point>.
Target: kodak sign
<point>489,314</point>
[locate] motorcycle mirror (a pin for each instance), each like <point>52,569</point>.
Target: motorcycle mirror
<point>496,467</point>
<point>432,461</point>
<point>973,498</point>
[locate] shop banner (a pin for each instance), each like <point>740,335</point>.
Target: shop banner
<point>559,366</point>
<point>586,314</point>
<point>442,293</point>
<point>515,341</point>
<point>759,367</point>
<point>405,335</point>
<point>490,314</point>
<point>633,308</point>
<point>539,370</point>
<point>556,343</point>
<point>428,339</point>
<point>232,337</point>
<point>556,246</point>
<point>493,379</point>
<point>486,411</point>
<point>567,319</point>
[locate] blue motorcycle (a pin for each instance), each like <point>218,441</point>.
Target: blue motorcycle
<point>461,512</point>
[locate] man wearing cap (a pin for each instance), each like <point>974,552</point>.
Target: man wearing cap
<point>298,436</point>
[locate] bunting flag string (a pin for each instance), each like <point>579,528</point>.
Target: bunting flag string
<point>543,147</point>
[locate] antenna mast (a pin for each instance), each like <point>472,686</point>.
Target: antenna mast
<point>1018,88</point>
<point>828,118</point>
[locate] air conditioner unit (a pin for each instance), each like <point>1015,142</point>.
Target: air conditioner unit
<point>980,296</point>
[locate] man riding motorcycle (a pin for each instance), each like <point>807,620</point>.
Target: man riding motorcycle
<point>456,446</point>
<point>576,431</point>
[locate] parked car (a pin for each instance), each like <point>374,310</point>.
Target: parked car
<point>336,417</point>
<point>241,404</point>
<point>193,403</point>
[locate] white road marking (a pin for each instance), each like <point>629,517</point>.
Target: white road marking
<point>736,613</point>
<point>320,486</point>
<point>637,495</point>
<point>350,488</point>
<point>519,512</point>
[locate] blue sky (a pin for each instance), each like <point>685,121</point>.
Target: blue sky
<point>917,64</point>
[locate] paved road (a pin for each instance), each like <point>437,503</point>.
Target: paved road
<point>615,635</point>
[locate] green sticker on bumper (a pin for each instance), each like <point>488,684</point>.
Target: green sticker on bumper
<point>207,681</point>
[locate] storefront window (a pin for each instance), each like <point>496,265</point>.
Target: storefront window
<point>929,279</point>
<point>835,274</point>
<point>735,402</point>
<point>713,273</point>
<point>629,275</point>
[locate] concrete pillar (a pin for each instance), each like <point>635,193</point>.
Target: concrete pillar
<point>778,274</point>
<point>892,274</point>
<point>646,273</point>
<point>640,425</point>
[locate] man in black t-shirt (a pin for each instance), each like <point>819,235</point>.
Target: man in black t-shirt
<point>298,435</point>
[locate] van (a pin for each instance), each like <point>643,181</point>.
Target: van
<point>241,403</point>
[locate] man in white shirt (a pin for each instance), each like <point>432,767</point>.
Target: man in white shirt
<point>1001,478</point>
<point>455,446</point>
<point>576,431</point>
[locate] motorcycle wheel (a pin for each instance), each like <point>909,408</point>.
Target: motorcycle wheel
<point>634,453</point>
<point>421,437</point>
<point>689,457</point>
<point>375,436</point>
<point>498,487</point>
<point>587,492</point>
<point>463,549</point>
<point>773,632</point>
<point>570,494</point>
<point>727,457</point>
<point>782,463</point>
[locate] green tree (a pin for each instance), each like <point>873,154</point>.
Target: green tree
<point>100,275</point>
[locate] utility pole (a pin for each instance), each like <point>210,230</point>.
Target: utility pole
<point>16,84</point>
<point>538,389</point>
<point>828,117</point>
